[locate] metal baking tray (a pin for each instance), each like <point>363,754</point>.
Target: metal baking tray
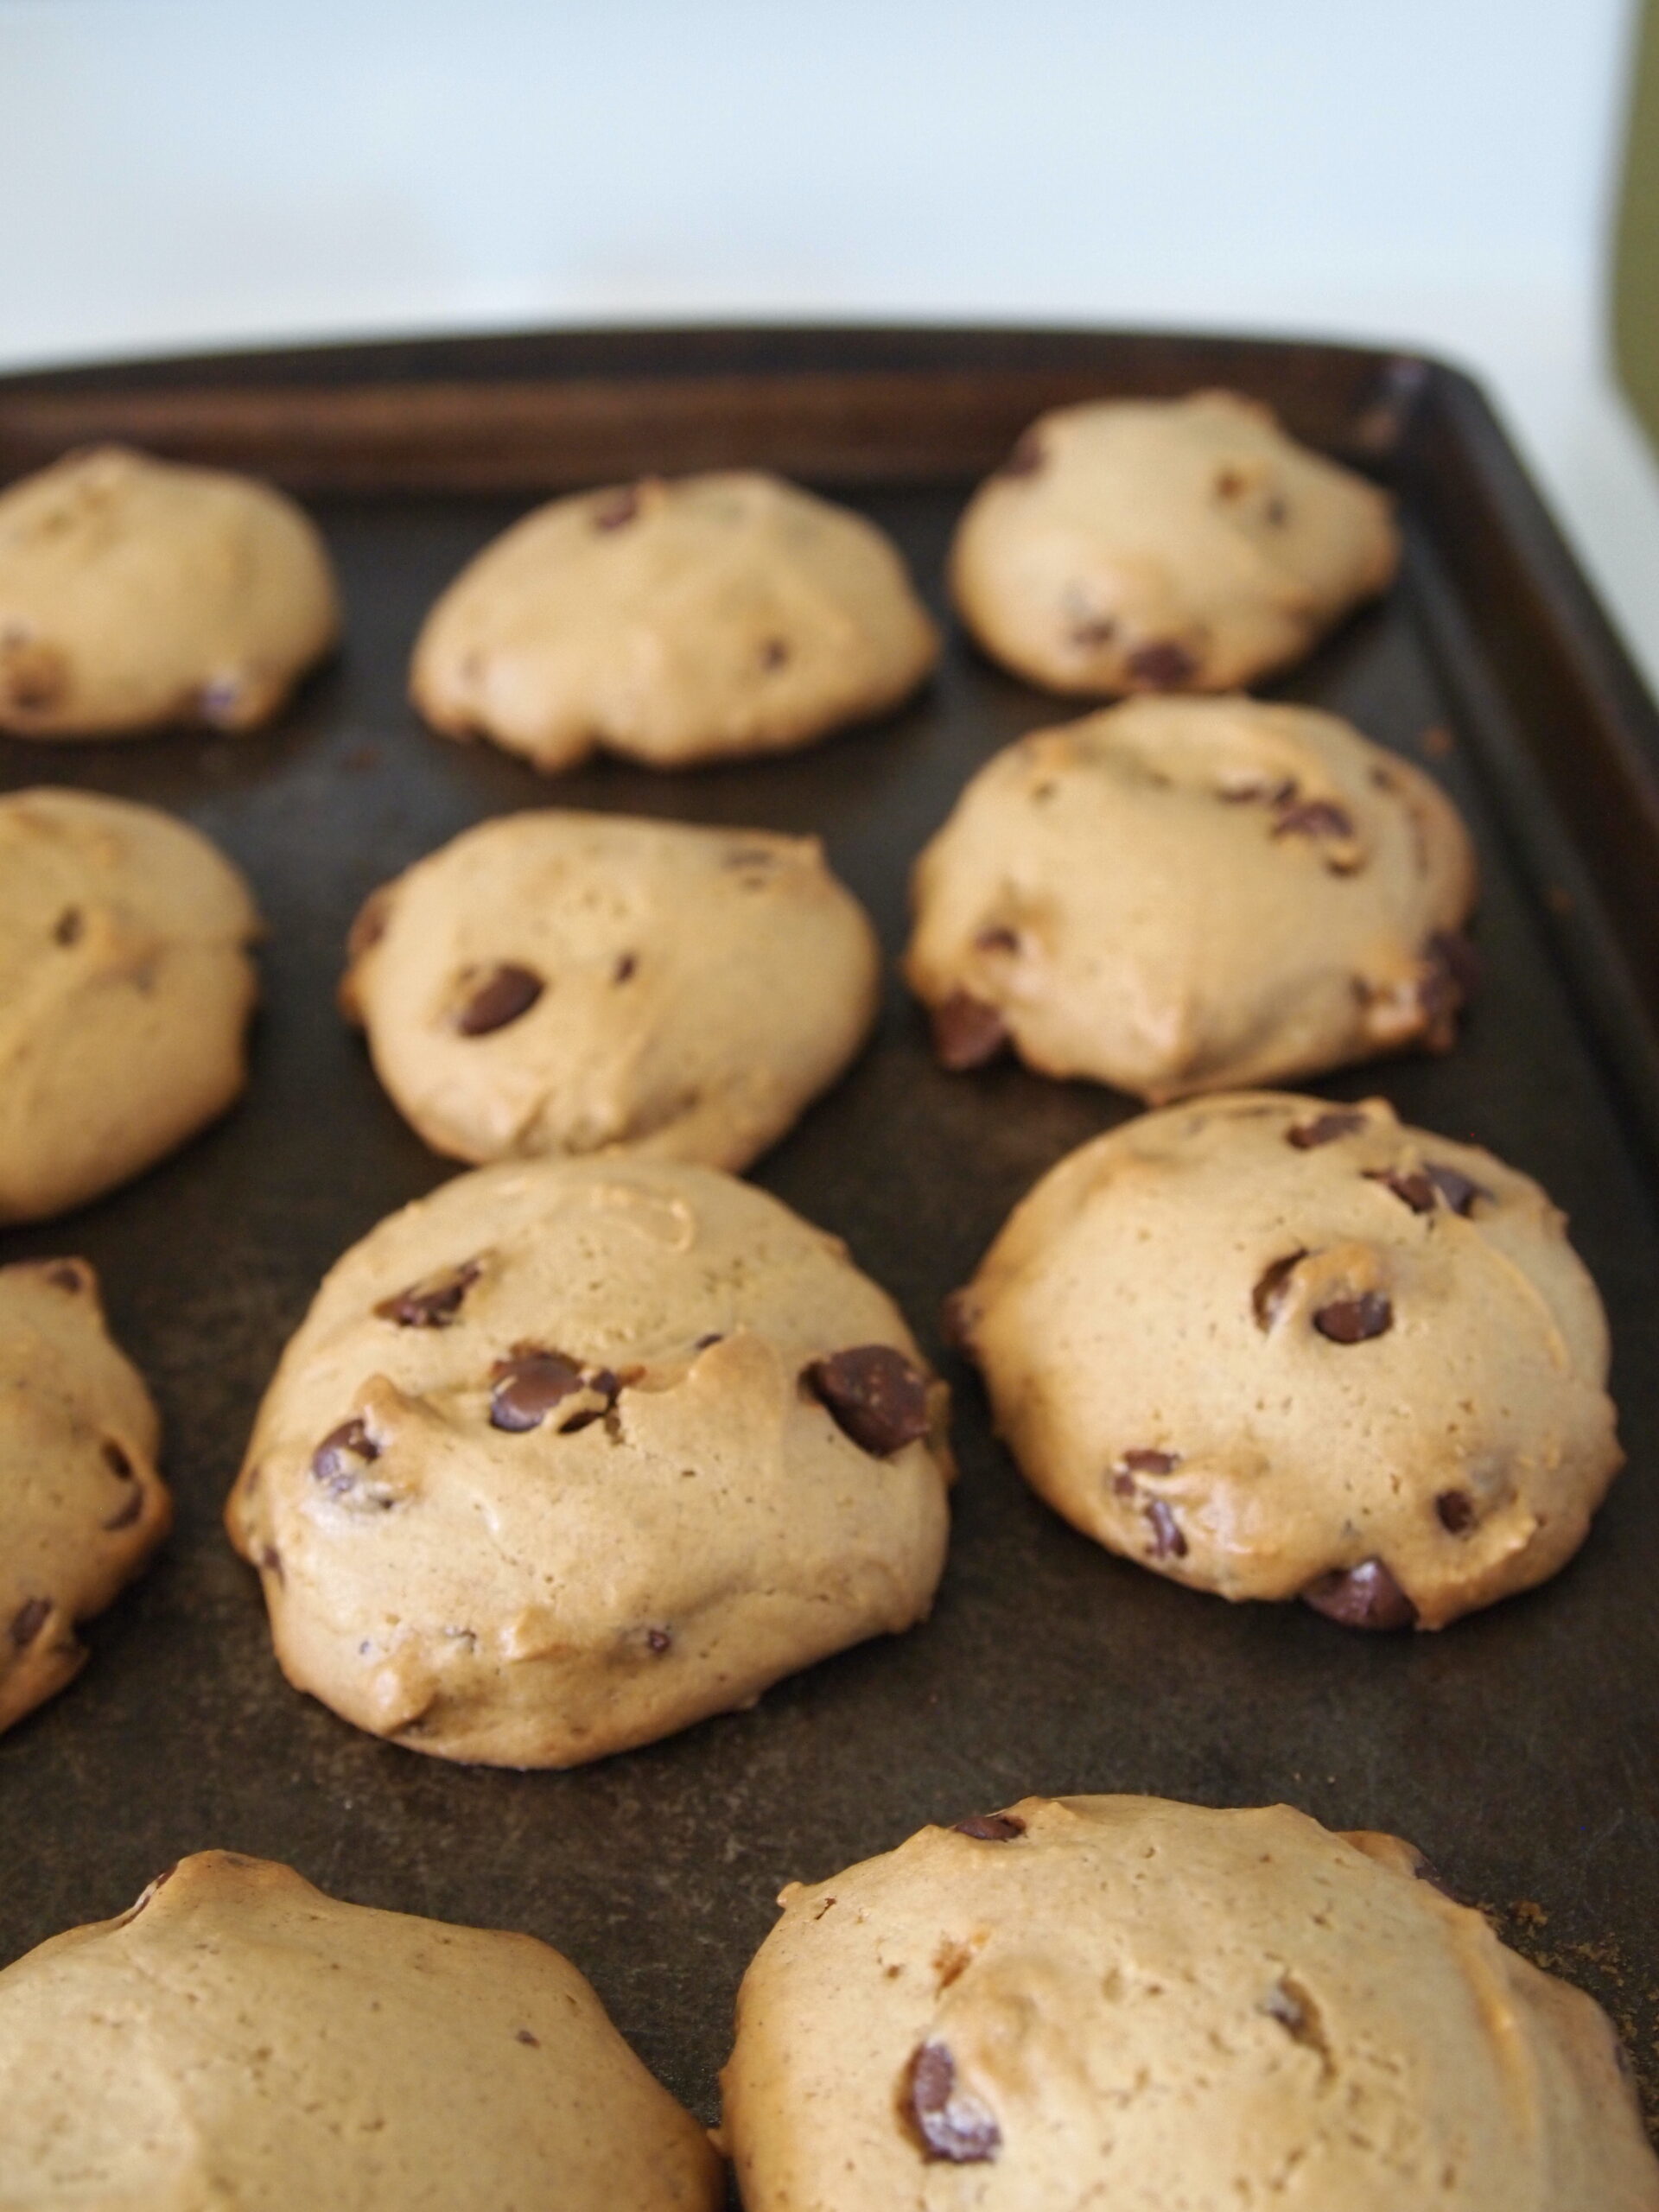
<point>1520,1748</point>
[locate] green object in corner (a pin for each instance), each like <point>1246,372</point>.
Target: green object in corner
<point>1636,281</point>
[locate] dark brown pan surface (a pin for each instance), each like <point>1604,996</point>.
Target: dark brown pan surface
<point>1519,1749</point>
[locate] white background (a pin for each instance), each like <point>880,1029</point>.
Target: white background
<point>1433,172</point>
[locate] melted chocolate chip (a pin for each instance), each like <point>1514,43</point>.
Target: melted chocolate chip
<point>527,1385</point>
<point>1459,1191</point>
<point>1093,630</point>
<point>28,1620</point>
<point>703,1342</point>
<point>433,1303</point>
<point>953,2123</point>
<point>339,1460</point>
<point>1450,978</point>
<point>1167,1540</point>
<point>1026,457</point>
<point>67,1274</point>
<point>1366,1596</point>
<point>271,1560</point>
<point>659,1640</point>
<point>1325,1128</point>
<point>617,510</point>
<point>1273,1287</point>
<point>874,1395</point>
<point>967,1032</point>
<point>627,968</point>
<point>1313,817</point>
<point>991,1828</point>
<point>130,1509</point>
<point>1457,1512</point>
<point>1413,1189</point>
<point>957,1320</point>
<point>1123,1485</point>
<point>1355,1320</point>
<point>117,1460</point>
<point>1151,1462</point>
<point>1162,665</point>
<point>69,927</point>
<point>503,994</point>
<point>524,2035</point>
<point>996,938</point>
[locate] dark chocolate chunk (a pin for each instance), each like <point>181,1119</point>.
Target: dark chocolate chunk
<point>1450,978</point>
<point>271,1560</point>
<point>1026,457</point>
<point>1162,665</point>
<point>627,968</point>
<point>1456,1511</point>
<point>992,1828</point>
<point>952,2122</point>
<point>433,1303</point>
<point>527,1385</point>
<point>1355,1320</point>
<point>1168,1540</point>
<point>658,1640</point>
<point>1325,1128</point>
<point>1413,1189</point>
<point>875,1394</point>
<point>1366,1596</point>
<point>1123,1485</point>
<point>1312,817</point>
<point>339,1460</point>
<point>69,1275</point>
<point>967,1032</point>
<point>703,1342</point>
<point>28,1620</point>
<point>524,2035</point>
<point>1459,1191</point>
<point>1151,1462</point>
<point>621,508</point>
<point>503,994</point>
<point>1273,1286</point>
<point>69,927</point>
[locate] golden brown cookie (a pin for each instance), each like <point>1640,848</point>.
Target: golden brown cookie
<point>1086,2003</point>
<point>1276,1348</point>
<point>560,982</point>
<point>674,621</point>
<point>136,592</point>
<point>126,987</point>
<point>1165,546</point>
<point>81,1505</point>
<point>239,2039</point>
<point>1177,895</point>
<point>572,1453</point>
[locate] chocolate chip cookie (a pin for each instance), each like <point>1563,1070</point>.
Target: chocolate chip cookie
<point>562,983</point>
<point>674,621</point>
<point>126,987</point>
<point>572,1453</point>
<point>136,592</point>
<point>1276,1348</point>
<point>1176,895</point>
<point>81,1505</point>
<point>239,2038</point>
<point>1165,546</point>
<point>1086,2002</point>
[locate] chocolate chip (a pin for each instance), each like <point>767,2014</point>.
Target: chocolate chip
<point>1273,1287</point>
<point>69,1275</point>
<point>117,1460</point>
<point>28,1620</point>
<point>130,1509</point>
<point>1424,1870</point>
<point>1163,665</point>
<point>434,1302</point>
<point>1456,1511</point>
<point>953,2123</point>
<point>627,968</point>
<point>505,994</point>
<point>1366,1596</point>
<point>271,1560</point>
<point>524,2035</point>
<point>1167,1540</point>
<point>1123,1485</point>
<point>1093,630</point>
<point>991,1828</point>
<point>1450,978</point>
<point>1325,1128</point>
<point>1313,817</point>
<point>1026,457</point>
<point>1152,1463</point>
<point>1413,1189</point>
<point>996,938</point>
<point>527,1385</point>
<point>1355,1320</point>
<point>68,927</point>
<point>773,653</point>
<point>967,1032</point>
<point>1459,1191</point>
<point>957,1320</point>
<point>714,1337</point>
<point>618,509</point>
<point>658,1639</point>
<point>874,1395</point>
<point>339,1460</point>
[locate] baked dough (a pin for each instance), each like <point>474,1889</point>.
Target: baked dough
<point>1176,895</point>
<point>81,1505</point>
<point>239,2039</point>
<point>1093,2002</point>
<point>1273,1347</point>
<point>1165,546</point>
<point>136,592</point>
<point>572,1453</point>
<point>674,621</point>
<point>562,982</point>
<point>126,987</point>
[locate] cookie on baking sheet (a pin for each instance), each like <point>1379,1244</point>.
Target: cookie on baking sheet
<point>572,1453</point>
<point>126,987</point>
<point>1086,2002</point>
<point>240,2038</point>
<point>1276,1348</point>
<point>562,983</point>
<point>674,621</point>
<point>1176,895</point>
<point>1165,546</point>
<point>81,1505</point>
<point>136,592</point>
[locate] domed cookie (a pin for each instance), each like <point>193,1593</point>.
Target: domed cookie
<point>239,2038</point>
<point>562,982</point>
<point>674,621</point>
<point>1276,1348</point>
<point>572,1453</point>
<point>1177,895</point>
<point>1165,546</point>
<point>136,592</point>
<point>126,987</point>
<point>81,1505</point>
<point>1086,2002</point>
